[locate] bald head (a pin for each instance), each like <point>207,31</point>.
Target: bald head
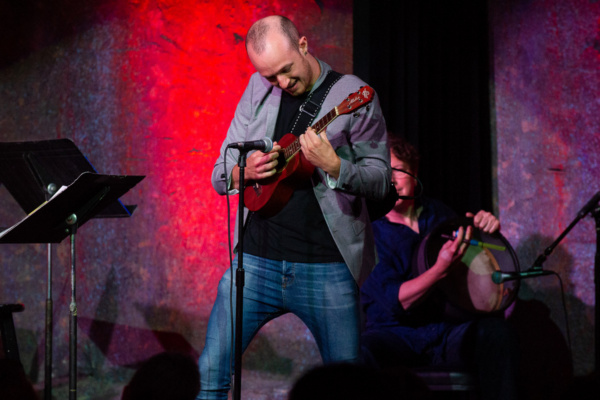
<point>280,56</point>
<point>263,28</point>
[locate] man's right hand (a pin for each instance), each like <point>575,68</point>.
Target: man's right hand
<point>259,166</point>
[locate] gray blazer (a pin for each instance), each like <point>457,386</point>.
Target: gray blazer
<point>358,138</point>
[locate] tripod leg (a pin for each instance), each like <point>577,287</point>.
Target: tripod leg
<point>73,325</point>
<point>48,344</point>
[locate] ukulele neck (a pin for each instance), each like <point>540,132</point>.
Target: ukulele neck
<point>321,124</point>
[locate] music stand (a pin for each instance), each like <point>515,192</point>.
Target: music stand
<point>32,172</point>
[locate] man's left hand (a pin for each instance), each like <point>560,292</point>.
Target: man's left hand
<point>319,152</point>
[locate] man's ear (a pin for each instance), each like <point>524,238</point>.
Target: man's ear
<point>303,45</point>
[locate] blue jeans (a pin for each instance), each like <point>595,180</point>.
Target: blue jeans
<point>324,296</point>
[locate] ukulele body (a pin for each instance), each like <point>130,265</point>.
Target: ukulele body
<point>268,196</point>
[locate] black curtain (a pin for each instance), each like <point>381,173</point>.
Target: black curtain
<point>428,60</point>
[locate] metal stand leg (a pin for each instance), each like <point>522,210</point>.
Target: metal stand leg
<point>48,345</point>
<point>73,315</point>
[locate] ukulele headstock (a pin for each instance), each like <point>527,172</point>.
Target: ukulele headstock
<point>355,100</point>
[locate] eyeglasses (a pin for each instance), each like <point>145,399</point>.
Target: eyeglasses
<point>403,173</point>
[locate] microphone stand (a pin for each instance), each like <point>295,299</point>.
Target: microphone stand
<point>593,207</point>
<point>537,265</point>
<point>239,282</point>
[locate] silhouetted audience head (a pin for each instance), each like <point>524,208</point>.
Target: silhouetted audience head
<point>14,384</point>
<point>345,381</point>
<point>170,376</point>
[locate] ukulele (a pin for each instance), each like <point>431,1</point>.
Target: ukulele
<point>268,196</point>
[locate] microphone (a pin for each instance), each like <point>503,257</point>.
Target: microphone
<point>499,277</point>
<point>265,145</point>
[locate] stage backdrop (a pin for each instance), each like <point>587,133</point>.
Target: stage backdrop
<point>546,75</point>
<point>148,88</point>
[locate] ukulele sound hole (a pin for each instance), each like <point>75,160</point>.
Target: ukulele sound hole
<point>281,162</point>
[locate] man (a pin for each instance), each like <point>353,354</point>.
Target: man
<point>310,257</point>
<point>406,325</point>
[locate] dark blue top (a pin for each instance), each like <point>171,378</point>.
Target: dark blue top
<point>423,325</point>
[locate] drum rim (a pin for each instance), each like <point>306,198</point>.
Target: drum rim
<point>452,224</point>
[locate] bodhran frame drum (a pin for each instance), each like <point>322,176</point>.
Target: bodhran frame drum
<point>468,286</point>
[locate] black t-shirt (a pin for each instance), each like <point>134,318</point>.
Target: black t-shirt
<point>298,233</point>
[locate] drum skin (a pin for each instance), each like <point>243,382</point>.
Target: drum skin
<point>468,286</point>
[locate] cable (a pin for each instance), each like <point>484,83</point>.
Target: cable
<point>421,188</point>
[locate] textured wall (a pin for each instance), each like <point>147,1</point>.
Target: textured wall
<point>149,86</point>
<point>546,62</point>
<point>142,87</point>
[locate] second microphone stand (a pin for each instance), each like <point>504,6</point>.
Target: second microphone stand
<point>593,208</point>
